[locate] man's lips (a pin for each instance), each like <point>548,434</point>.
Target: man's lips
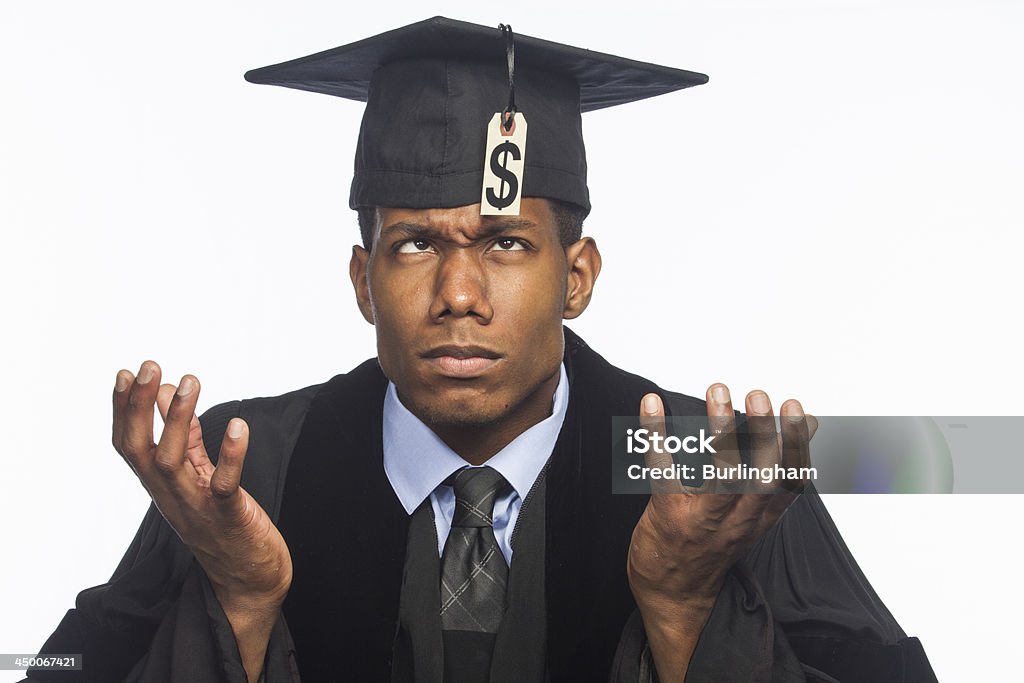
<point>461,351</point>
<point>461,362</point>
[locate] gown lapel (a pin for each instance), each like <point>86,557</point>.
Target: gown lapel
<point>588,528</point>
<point>347,532</point>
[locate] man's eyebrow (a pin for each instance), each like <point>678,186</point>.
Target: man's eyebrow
<point>489,228</point>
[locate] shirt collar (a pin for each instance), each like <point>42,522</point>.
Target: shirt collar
<point>416,460</point>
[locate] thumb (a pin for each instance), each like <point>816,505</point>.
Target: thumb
<point>228,475</point>
<point>812,426</point>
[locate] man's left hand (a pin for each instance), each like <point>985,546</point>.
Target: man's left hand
<point>687,540</point>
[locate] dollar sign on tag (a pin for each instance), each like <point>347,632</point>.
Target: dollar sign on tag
<point>504,162</point>
<point>509,181</point>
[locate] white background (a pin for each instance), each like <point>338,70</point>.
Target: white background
<point>836,217</point>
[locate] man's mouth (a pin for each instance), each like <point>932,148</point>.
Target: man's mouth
<point>461,362</point>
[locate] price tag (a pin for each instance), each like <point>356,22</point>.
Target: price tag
<point>504,162</point>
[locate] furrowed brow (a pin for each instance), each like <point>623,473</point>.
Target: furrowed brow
<point>406,229</point>
<point>489,229</point>
<point>500,226</point>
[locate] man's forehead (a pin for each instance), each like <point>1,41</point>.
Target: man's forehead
<point>465,220</point>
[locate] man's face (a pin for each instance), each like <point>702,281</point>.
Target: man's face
<point>468,309</point>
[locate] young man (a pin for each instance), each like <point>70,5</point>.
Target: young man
<point>444,512</point>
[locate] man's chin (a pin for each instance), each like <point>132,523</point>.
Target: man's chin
<point>470,405</point>
<point>455,414</point>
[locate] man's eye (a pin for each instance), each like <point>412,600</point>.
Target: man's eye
<point>509,244</point>
<point>413,247</point>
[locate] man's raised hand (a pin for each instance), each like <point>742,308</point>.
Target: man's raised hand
<point>687,540</point>
<point>232,537</point>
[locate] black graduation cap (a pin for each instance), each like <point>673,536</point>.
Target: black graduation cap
<point>433,88</point>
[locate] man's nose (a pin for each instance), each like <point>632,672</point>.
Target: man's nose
<point>461,287</point>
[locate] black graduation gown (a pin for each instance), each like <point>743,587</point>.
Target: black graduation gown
<point>797,608</point>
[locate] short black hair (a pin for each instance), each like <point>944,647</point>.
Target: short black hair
<point>568,217</point>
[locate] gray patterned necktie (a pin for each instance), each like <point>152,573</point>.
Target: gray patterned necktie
<point>473,576</point>
<point>473,570</point>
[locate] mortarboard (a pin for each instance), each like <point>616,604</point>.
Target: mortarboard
<point>446,103</point>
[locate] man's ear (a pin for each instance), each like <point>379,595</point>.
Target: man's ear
<point>357,271</point>
<point>583,261</point>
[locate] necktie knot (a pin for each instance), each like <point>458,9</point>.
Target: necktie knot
<point>476,489</point>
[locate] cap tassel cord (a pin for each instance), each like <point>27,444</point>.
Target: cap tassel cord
<point>510,55</point>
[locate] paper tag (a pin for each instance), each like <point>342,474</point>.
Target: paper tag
<point>504,162</point>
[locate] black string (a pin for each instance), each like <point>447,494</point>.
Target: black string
<point>510,55</point>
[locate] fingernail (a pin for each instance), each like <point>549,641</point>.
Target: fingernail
<point>121,383</point>
<point>759,402</point>
<point>650,404</point>
<point>186,387</point>
<point>721,394</point>
<point>235,428</point>
<point>146,374</point>
<point>796,412</point>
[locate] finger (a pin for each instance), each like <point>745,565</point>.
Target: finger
<point>170,452</point>
<point>137,434</point>
<point>812,427</point>
<point>122,382</point>
<point>764,442</point>
<point>163,399</point>
<point>764,453</point>
<point>795,439</point>
<point>796,448</point>
<point>722,423</point>
<point>195,450</point>
<point>228,474</point>
<point>652,418</point>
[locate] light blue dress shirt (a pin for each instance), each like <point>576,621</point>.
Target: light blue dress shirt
<point>416,461</point>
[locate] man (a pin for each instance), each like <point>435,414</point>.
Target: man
<point>358,542</point>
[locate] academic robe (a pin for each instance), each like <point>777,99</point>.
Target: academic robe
<point>796,608</point>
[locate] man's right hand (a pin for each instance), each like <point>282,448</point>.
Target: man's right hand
<point>232,537</point>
